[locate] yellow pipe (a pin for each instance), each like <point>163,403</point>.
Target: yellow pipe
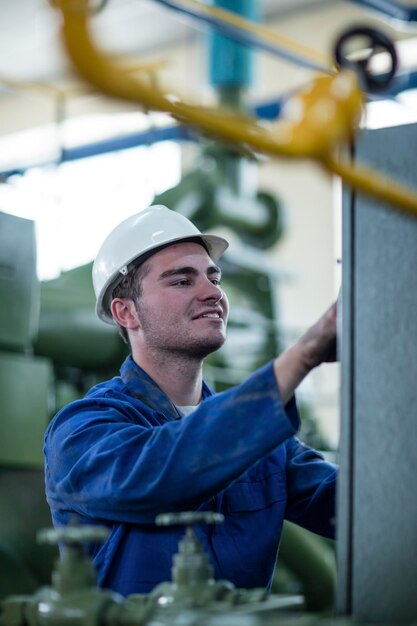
<point>369,183</point>
<point>298,135</point>
<point>315,122</point>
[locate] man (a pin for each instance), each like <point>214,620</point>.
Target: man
<point>157,439</point>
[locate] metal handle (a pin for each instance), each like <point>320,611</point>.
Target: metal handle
<point>72,535</point>
<point>186,518</point>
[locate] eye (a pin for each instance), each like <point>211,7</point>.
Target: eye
<point>184,282</point>
<point>216,281</point>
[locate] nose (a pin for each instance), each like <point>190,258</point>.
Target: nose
<point>209,291</point>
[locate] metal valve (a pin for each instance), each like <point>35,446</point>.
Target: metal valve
<point>375,42</point>
<point>191,565</point>
<point>73,597</point>
<point>193,584</point>
<point>74,571</point>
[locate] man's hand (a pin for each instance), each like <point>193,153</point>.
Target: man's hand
<point>319,342</point>
<point>316,346</point>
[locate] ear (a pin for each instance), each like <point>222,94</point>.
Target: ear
<point>124,313</point>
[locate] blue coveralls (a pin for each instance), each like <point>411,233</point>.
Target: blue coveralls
<point>120,456</point>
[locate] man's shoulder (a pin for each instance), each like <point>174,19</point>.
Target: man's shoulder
<point>115,387</point>
<point>109,400</point>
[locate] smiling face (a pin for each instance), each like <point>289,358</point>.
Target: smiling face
<point>182,308</point>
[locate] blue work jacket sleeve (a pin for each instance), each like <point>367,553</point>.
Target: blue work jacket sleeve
<point>311,488</point>
<point>108,459</point>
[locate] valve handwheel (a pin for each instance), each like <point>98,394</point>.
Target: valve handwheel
<point>375,42</point>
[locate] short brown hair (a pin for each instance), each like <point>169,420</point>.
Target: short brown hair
<point>130,287</point>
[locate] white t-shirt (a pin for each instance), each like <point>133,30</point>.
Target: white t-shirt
<point>186,410</point>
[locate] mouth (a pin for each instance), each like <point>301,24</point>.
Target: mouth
<point>213,315</point>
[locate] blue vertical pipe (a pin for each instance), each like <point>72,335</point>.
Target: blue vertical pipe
<point>230,61</point>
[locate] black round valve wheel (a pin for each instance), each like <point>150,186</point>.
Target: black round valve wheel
<point>373,42</point>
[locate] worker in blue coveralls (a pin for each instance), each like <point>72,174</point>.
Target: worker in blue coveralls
<point>158,439</point>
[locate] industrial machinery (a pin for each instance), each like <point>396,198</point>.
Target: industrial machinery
<point>192,596</point>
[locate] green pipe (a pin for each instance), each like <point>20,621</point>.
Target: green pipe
<point>311,559</point>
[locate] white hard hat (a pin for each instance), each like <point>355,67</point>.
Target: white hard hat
<point>136,237</point>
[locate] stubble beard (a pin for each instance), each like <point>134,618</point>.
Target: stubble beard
<point>173,342</point>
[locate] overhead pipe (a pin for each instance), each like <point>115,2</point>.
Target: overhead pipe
<point>332,107</point>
